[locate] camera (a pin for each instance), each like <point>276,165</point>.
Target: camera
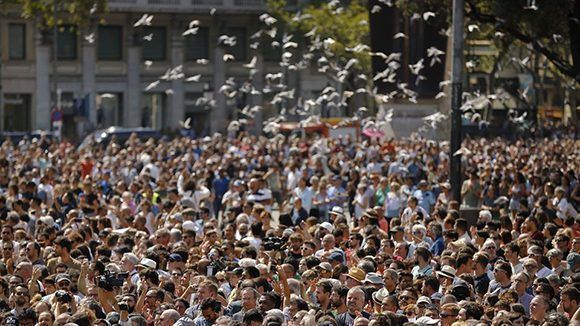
<point>123,306</point>
<point>63,296</point>
<point>274,243</point>
<point>108,280</point>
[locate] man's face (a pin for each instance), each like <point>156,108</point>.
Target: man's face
<point>6,234</point>
<point>355,301</point>
<point>328,242</point>
<point>447,317</point>
<point>335,300</point>
<point>321,296</point>
<point>210,315</point>
<point>568,305</point>
<point>307,251</point>
<point>126,264</point>
<point>203,293</point>
<point>31,252</point>
<point>562,243</point>
<point>265,304</point>
<point>537,307</point>
<point>21,296</point>
<point>7,250</point>
<point>389,282</point>
<point>248,300</point>
<point>130,301</point>
<point>400,250</point>
<point>165,320</point>
<point>520,283</point>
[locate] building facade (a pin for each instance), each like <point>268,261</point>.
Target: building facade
<point>104,73</point>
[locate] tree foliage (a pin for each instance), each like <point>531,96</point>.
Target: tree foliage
<point>78,12</point>
<point>548,27</point>
<point>347,25</point>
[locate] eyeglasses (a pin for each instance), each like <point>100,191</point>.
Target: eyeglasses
<point>444,315</point>
<point>406,298</point>
<point>21,293</point>
<point>8,248</point>
<point>561,240</point>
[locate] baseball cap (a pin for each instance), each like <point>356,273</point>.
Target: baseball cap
<point>335,256</point>
<point>374,278</point>
<point>62,277</point>
<point>424,299</point>
<point>175,257</point>
<point>327,226</point>
<point>325,266</point>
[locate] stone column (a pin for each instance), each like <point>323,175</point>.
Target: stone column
<point>43,105</point>
<point>258,83</point>
<point>88,90</point>
<point>132,113</point>
<point>218,113</point>
<point>176,110</point>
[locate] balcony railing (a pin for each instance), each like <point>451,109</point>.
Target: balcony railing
<point>207,2</point>
<point>249,3</point>
<point>186,5</point>
<point>164,2</point>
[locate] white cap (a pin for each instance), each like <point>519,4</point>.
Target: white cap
<point>188,225</point>
<point>327,226</point>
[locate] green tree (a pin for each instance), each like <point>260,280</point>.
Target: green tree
<point>550,28</point>
<point>337,33</point>
<point>78,12</point>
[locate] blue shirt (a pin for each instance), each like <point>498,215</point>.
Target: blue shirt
<point>437,246</point>
<point>220,186</point>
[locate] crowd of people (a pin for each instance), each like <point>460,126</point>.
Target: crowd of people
<point>289,231</point>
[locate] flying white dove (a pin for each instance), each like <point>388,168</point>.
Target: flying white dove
<point>399,35</point>
<point>375,9</point>
<point>472,28</point>
<point>195,78</point>
<point>427,15</point>
<point>145,20</point>
<point>152,85</point>
<point>267,19</point>
<point>148,38</point>
<point>462,151</point>
<point>90,38</point>
<point>252,63</point>
<point>185,124</point>
<point>190,31</point>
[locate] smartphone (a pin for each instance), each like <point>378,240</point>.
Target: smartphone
<point>209,271</point>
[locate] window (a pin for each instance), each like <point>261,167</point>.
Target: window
<point>197,46</point>
<point>110,43</point>
<point>67,43</point>
<point>154,49</point>
<point>238,50</point>
<point>17,37</point>
<point>271,54</point>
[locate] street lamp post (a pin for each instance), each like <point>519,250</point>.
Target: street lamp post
<point>456,89</point>
<point>55,55</point>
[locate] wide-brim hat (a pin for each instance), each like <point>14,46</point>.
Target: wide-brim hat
<point>447,271</point>
<point>356,274</point>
